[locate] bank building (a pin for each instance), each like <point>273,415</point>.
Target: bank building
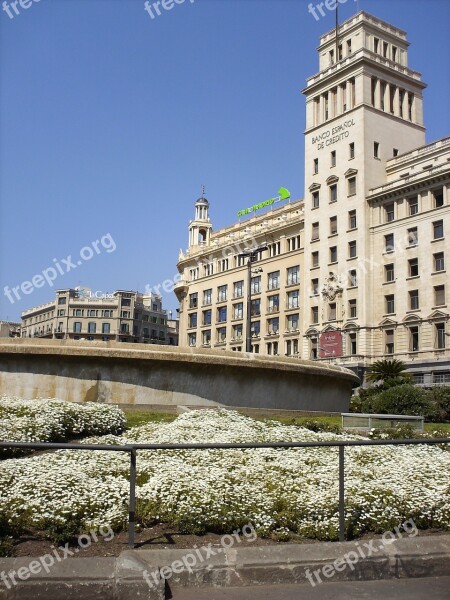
<point>355,271</point>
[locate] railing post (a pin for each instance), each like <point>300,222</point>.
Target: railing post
<point>341,495</point>
<point>132,505</point>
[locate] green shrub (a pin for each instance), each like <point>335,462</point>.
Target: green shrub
<point>440,401</point>
<point>404,399</point>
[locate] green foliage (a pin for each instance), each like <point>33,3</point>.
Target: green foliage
<point>318,426</point>
<point>141,417</point>
<point>440,401</point>
<point>404,399</point>
<point>385,370</point>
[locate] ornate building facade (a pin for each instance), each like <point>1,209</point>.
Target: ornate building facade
<point>356,271</point>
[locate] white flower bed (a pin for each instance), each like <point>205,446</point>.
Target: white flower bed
<point>51,420</point>
<point>222,489</point>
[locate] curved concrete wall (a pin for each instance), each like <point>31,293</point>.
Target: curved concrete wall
<point>113,372</point>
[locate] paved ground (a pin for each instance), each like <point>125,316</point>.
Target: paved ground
<point>437,588</point>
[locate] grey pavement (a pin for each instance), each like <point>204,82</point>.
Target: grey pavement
<point>429,588</point>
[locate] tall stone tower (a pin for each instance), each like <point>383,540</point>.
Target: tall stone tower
<point>362,108</point>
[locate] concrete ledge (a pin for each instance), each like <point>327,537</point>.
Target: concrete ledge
<point>122,578</point>
<point>285,564</point>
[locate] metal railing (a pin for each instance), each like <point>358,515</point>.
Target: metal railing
<point>132,449</point>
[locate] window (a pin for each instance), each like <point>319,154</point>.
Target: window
<point>394,152</point>
<point>315,314</point>
<point>78,312</point>
<point>272,348</point>
<point>192,320</point>
<point>439,264</point>
<point>62,300</point>
<point>291,347</point>
<point>352,278</point>
<point>389,304</point>
<point>222,292</point>
<point>315,231</point>
<point>389,242</point>
<point>352,349</point>
<point>273,325</point>
<point>438,230</point>
<point>223,264</point>
<point>126,302</point>
<point>414,299</point>
<point>413,339</point>
<point>255,328</point>
<point>325,106</point>
<point>439,295</point>
<point>315,287</point>
<point>274,280</point>
<point>238,311</point>
<point>352,309</point>
<point>77,327</point>
<point>255,285</point>
<point>440,336</point>
<point>192,339</point>
<point>332,311</point>
<point>293,275</point>
<point>351,150</point>
<point>273,303</point>
<point>206,337</point>
<point>208,269</point>
<point>438,198</point>
<point>413,265</point>
<point>349,47</point>
<point>292,322</point>
<point>316,166</point>
<point>238,289</point>
<point>61,312</point>
<point>376,150</point>
<point>237,332</point>
<point>352,186</point>
<point>394,53</point>
<point>315,199</point>
<point>125,314</point>
<point>106,328</point>
<point>352,219</point>
<point>313,349</point>
<point>107,313</point>
<point>413,205</point>
<point>315,259</point>
<point>376,45</point>
<point>293,299</point>
<point>255,308</point>
<point>389,213</point>
<point>413,237</point>
<point>333,225</point>
<point>401,98</point>
<point>389,341</point>
<point>333,254</point>
<point>193,300</point>
<point>275,249</point>
<point>333,192</point>
<point>293,243</point>
<point>389,273</point>
<point>221,335</point>
<point>92,327</point>
<point>222,314</point>
<point>333,158</point>
<point>352,249</point>
<point>382,94</point>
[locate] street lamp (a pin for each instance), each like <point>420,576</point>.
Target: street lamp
<point>251,258</point>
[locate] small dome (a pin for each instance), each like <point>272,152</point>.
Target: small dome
<point>202,202</point>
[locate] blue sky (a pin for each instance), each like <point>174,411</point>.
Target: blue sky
<point>111,121</point>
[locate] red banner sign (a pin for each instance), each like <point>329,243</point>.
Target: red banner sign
<point>330,344</point>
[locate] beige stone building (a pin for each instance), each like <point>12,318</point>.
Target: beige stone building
<point>358,270</point>
<point>123,316</point>
<point>9,329</point>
